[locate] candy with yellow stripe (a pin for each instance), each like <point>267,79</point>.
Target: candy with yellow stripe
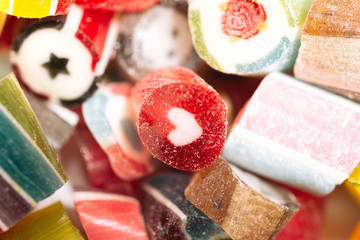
<point>34,8</point>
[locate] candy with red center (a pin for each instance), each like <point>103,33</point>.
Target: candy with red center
<point>68,70</point>
<point>108,115</point>
<point>244,205</point>
<point>283,135</point>
<point>118,5</point>
<point>109,216</point>
<point>150,40</point>
<point>168,215</point>
<point>180,118</point>
<point>35,8</point>
<point>245,36</point>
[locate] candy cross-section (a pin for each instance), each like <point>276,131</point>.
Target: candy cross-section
<point>29,169</point>
<point>180,118</point>
<point>245,206</point>
<point>297,134</point>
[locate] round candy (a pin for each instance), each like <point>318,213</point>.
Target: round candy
<point>180,118</point>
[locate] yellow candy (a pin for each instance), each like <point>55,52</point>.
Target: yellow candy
<point>2,21</point>
<point>29,8</point>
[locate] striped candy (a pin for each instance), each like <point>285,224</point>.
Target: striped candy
<point>108,115</point>
<point>297,134</point>
<point>247,37</point>
<point>50,223</point>
<point>109,216</point>
<point>245,206</point>
<point>35,8</point>
<point>68,70</point>
<point>29,169</point>
<point>168,215</point>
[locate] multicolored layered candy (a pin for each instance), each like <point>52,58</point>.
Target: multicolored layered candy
<point>329,54</point>
<point>297,134</point>
<point>35,8</point>
<point>109,216</point>
<point>168,215</point>
<point>29,169</point>
<point>51,223</point>
<point>180,118</point>
<point>109,117</point>
<point>245,36</point>
<point>151,40</point>
<point>245,206</point>
<point>68,70</point>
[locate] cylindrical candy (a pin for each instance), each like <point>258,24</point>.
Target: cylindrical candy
<point>245,36</point>
<point>156,38</point>
<point>68,69</point>
<point>35,8</point>
<point>118,5</point>
<point>108,115</point>
<point>180,118</point>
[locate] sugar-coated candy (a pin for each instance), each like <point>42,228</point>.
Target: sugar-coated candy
<point>283,135</point>
<point>100,172</point>
<point>247,37</point>
<point>68,70</point>
<point>245,206</point>
<point>35,8</point>
<point>109,117</point>
<point>151,40</point>
<point>29,169</point>
<point>168,215</point>
<point>180,118</point>
<point>58,123</point>
<point>109,216</point>
<point>50,223</point>
<point>118,5</point>
<point>329,54</point>
<point>308,222</point>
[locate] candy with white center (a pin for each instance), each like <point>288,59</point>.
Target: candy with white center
<point>35,8</point>
<point>51,223</point>
<point>245,36</point>
<point>168,215</point>
<point>118,5</point>
<point>108,115</point>
<point>245,206</point>
<point>156,38</point>
<point>329,55</point>
<point>109,216</point>
<point>298,134</point>
<point>29,169</point>
<point>68,69</point>
<point>181,119</point>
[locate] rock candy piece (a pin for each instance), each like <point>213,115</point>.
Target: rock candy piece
<point>118,5</point>
<point>180,119</point>
<point>296,134</point>
<point>329,54</point>
<point>308,222</point>
<point>35,8</point>
<point>29,169</point>
<point>58,123</point>
<point>68,70</point>
<point>108,115</point>
<point>109,216</point>
<point>247,37</point>
<point>151,40</point>
<point>168,215</point>
<point>51,223</point>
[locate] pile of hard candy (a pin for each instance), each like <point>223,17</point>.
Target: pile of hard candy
<point>201,119</point>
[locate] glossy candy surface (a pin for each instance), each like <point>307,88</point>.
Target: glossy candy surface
<point>168,215</point>
<point>245,206</point>
<point>180,119</point>
<point>283,135</point>
<point>108,115</point>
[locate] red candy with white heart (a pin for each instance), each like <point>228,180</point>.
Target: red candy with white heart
<point>180,118</point>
